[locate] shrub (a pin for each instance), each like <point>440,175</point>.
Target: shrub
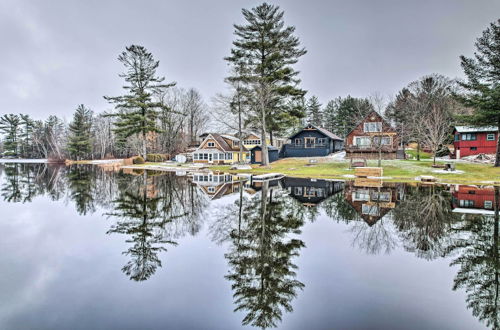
<point>155,158</point>
<point>138,160</point>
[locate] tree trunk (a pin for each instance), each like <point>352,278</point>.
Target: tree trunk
<point>265,154</point>
<point>144,145</point>
<point>497,158</point>
<point>271,137</point>
<point>418,150</point>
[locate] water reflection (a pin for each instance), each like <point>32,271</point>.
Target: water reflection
<point>260,224</point>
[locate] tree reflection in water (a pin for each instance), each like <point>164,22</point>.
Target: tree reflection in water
<point>261,255</point>
<point>424,220</point>
<point>149,209</point>
<point>477,244</point>
<point>263,229</point>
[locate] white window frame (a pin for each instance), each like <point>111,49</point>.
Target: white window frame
<point>490,137</point>
<point>374,126</point>
<point>488,204</point>
<point>210,144</point>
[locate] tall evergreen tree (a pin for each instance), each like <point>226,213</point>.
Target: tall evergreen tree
<point>314,113</point>
<point>9,125</point>
<point>26,136</point>
<point>137,110</point>
<point>349,112</point>
<point>483,81</point>
<point>80,140</point>
<point>267,50</point>
<point>329,115</point>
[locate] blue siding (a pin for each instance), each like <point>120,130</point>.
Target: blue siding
<point>273,155</point>
<point>292,150</point>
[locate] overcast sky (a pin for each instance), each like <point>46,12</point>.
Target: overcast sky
<point>58,54</point>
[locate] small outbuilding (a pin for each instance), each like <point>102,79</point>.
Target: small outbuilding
<point>256,154</point>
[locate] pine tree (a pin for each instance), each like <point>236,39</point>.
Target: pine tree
<point>80,140</point>
<point>9,125</point>
<point>349,111</point>
<point>137,111</point>
<point>26,136</point>
<point>314,112</point>
<point>267,50</point>
<point>330,114</point>
<point>483,81</point>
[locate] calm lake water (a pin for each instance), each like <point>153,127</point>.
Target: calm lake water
<point>89,248</point>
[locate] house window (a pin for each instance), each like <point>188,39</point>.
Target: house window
<point>373,127</point>
<point>251,142</point>
<point>381,196</point>
<point>362,141</point>
<point>236,143</point>
<point>297,142</point>
<point>229,156</point>
<point>370,209</point>
<point>195,156</point>
<point>490,137</point>
<point>211,144</point>
<point>488,204</point>
<point>457,137</point>
<point>385,140</point>
<point>469,137</point>
<point>321,141</point>
<point>205,156</point>
<point>473,148</point>
<point>211,189</point>
<point>298,191</point>
<point>361,195</point>
<point>466,203</point>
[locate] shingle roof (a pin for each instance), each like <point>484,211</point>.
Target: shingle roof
<point>221,140</point>
<point>322,130</point>
<point>471,129</point>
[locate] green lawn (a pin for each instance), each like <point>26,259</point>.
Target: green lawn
<point>423,154</point>
<point>394,170</point>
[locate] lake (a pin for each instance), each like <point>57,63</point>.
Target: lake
<point>88,247</point>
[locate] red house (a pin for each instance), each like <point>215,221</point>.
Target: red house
<point>473,199</point>
<point>474,140</point>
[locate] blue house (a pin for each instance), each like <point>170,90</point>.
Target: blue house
<point>312,141</point>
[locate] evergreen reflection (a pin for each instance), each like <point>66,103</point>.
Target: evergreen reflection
<point>477,244</point>
<point>153,210</point>
<point>261,255</point>
<point>81,182</point>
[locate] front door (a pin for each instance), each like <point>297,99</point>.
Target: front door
<point>309,142</point>
<point>210,159</point>
<point>258,156</point>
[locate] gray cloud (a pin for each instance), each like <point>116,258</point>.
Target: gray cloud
<point>57,54</point>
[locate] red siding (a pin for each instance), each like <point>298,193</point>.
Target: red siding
<point>481,144</point>
<point>472,193</point>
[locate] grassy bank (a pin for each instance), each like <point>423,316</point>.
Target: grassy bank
<point>394,170</point>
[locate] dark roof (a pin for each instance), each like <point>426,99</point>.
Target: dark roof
<point>321,130</point>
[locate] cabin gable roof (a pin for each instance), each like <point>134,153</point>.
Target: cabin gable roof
<point>323,131</point>
<point>386,126</point>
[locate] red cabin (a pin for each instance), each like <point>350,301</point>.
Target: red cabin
<point>473,199</point>
<point>474,140</point>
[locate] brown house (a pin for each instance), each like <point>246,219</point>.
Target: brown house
<point>219,149</point>
<point>371,136</point>
<point>371,198</point>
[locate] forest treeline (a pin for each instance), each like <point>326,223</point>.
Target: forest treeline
<point>265,95</point>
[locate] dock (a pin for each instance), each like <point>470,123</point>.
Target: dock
<point>267,177</point>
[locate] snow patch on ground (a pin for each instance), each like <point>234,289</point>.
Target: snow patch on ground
<point>442,171</point>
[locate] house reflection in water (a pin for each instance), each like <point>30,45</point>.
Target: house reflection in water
<point>217,184</point>
<point>311,192</point>
<point>372,199</point>
<point>473,199</point>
